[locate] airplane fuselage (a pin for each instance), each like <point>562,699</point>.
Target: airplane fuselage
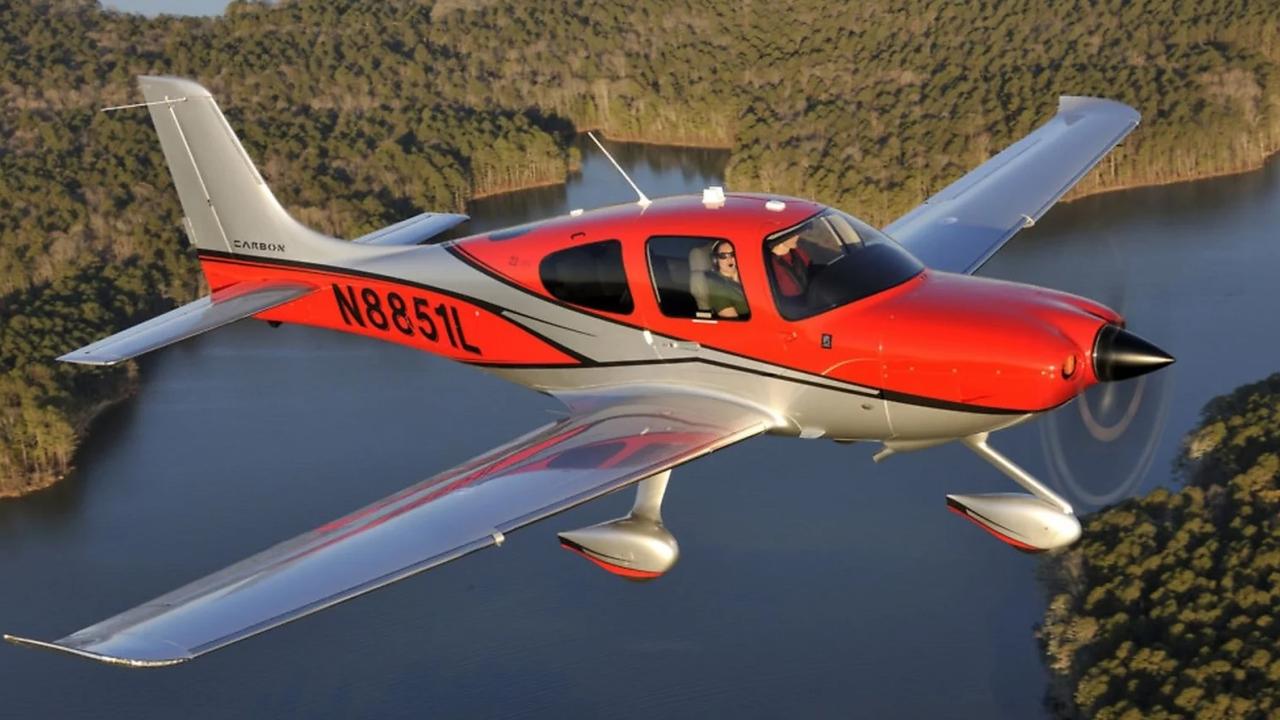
<point>937,355</point>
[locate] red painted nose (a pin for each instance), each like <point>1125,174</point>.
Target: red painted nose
<point>984,343</point>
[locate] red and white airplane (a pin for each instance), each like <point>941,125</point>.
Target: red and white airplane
<point>668,328</point>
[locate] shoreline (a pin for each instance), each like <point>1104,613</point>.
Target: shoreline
<point>133,382</point>
<point>130,386</point>
<point>505,191</point>
<point>1071,196</point>
<point>35,484</point>
<point>627,139</point>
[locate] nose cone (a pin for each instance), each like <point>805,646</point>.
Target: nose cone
<point>1119,355</point>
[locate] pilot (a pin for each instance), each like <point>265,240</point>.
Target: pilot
<point>790,267</point>
<point>724,287</point>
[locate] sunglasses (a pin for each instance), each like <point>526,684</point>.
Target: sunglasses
<point>724,256</point>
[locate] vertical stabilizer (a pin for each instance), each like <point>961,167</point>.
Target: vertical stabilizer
<point>227,205</point>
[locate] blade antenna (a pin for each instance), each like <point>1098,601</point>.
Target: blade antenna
<point>643,201</point>
<point>166,101</point>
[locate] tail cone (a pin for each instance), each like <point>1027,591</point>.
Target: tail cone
<point>1119,355</point>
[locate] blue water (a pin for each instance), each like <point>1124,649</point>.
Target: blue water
<point>151,8</point>
<point>812,581</point>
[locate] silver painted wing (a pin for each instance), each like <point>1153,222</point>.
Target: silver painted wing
<point>961,227</point>
<point>414,231</point>
<point>607,442</point>
<point>234,302</point>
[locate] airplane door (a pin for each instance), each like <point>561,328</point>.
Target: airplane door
<point>699,296</point>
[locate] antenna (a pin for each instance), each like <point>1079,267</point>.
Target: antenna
<point>166,101</point>
<point>643,201</point>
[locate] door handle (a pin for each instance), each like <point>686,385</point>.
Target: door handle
<point>688,345</point>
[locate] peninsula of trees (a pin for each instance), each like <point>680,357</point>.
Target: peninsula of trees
<point>360,114</point>
<point>1167,607</point>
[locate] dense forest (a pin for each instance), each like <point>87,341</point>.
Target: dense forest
<point>1167,607</point>
<point>360,114</point>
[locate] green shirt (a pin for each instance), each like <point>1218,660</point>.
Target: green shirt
<point>723,293</point>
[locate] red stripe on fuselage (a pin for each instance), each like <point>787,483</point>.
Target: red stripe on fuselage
<point>426,319</point>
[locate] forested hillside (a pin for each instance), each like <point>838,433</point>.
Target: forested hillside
<point>1167,607</point>
<point>362,113</point>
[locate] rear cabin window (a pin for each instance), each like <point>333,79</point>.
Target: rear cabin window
<point>589,275</point>
<point>697,278</point>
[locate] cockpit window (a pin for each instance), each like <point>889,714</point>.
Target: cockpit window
<point>696,277</point>
<point>831,260</point>
<point>589,275</point>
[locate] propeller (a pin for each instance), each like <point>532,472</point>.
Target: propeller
<point>1100,447</point>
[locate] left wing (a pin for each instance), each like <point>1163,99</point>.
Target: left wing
<point>608,441</point>
<point>963,225</point>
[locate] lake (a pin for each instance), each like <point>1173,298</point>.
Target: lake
<point>812,581</point>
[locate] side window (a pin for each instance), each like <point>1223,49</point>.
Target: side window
<point>589,275</point>
<point>697,278</point>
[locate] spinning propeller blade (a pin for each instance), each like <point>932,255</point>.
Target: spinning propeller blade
<point>1100,447</point>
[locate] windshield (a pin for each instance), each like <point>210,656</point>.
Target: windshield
<point>831,260</point>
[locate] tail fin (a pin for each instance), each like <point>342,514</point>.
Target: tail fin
<point>229,210</point>
<point>228,207</point>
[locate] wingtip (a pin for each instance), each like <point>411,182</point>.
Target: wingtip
<point>168,84</point>
<point>76,357</point>
<point>106,659</point>
<point>1069,103</point>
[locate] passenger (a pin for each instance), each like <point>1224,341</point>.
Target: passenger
<point>790,267</point>
<point>724,288</point>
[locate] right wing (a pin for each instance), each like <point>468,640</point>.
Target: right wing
<point>414,231</point>
<point>226,305</point>
<point>607,442</point>
<point>963,225</point>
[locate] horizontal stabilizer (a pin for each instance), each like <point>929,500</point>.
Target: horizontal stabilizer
<point>414,231</point>
<point>137,661</point>
<point>227,305</point>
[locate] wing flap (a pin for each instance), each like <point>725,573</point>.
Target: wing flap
<point>605,444</point>
<point>227,305</point>
<point>962,226</point>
